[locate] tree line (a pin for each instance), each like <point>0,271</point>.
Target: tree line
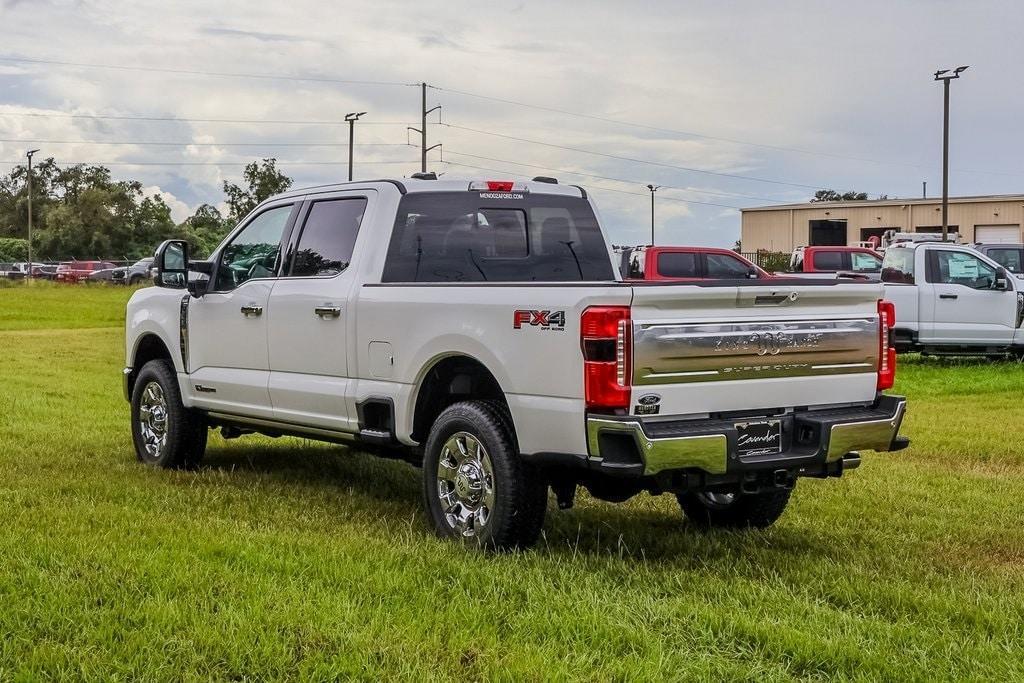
<point>82,212</point>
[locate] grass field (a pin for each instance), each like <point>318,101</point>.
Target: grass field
<point>288,559</point>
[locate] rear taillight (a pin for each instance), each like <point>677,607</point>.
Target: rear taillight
<point>886,348</point>
<point>605,337</point>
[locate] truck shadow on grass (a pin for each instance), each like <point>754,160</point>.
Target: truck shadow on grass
<point>650,528</point>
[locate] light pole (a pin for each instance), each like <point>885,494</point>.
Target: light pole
<point>945,75</point>
<point>653,189</point>
<point>29,154</point>
<point>351,118</point>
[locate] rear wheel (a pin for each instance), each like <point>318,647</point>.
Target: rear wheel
<point>734,509</point>
<point>166,433</point>
<point>475,487</point>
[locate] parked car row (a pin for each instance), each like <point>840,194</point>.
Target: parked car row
<point>71,272</point>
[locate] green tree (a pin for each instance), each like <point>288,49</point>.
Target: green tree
<point>205,229</point>
<point>13,249</point>
<point>263,180</point>
<point>833,196</point>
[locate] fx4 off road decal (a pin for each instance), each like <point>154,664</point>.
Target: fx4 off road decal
<point>545,320</point>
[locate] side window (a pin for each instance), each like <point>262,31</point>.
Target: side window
<point>898,266</point>
<point>254,252</point>
<point>678,264</point>
<point>327,238</point>
<point>723,267</point>
<point>958,268</point>
<point>828,260</point>
<point>1007,258</point>
<point>865,263</point>
<point>636,265</point>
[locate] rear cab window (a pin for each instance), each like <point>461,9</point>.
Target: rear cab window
<point>827,260</point>
<point>898,266</point>
<point>489,237</point>
<point>679,264</point>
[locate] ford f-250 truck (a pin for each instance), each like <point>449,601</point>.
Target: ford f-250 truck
<point>951,299</point>
<point>481,330</point>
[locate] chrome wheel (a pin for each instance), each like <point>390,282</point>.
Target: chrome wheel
<point>153,419</point>
<point>465,484</point>
<point>716,500</point>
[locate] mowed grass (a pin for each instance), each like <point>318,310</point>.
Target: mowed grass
<point>284,559</point>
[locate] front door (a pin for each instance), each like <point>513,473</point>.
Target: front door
<point>227,328</point>
<point>967,308</point>
<point>310,330</point>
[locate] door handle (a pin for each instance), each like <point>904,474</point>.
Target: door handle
<point>947,296</point>
<point>254,311</point>
<point>328,311</point>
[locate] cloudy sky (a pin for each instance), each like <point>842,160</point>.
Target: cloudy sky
<point>726,104</point>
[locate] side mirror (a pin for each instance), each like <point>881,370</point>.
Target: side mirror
<point>171,263</point>
<point>752,273</point>
<point>1002,280</point>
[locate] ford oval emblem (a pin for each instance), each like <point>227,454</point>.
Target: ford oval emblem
<point>648,399</point>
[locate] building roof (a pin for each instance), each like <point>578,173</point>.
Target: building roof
<point>892,201</point>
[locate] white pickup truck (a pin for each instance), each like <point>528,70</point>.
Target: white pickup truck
<point>951,299</point>
<point>481,330</point>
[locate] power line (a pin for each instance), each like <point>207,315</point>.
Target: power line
<point>196,72</point>
<point>166,143</point>
<point>660,129</point>
<point>205,163</point>
<point>182,119</point>
<point>595,187</point>
<point>617,180</point>
<point>631,159</point>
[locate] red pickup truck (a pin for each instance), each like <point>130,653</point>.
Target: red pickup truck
<point>76,271</point>
<point>685,263</point>
<point>858,260</point>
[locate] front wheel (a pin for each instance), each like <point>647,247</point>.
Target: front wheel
<point>734,509</point>
<point>475,487</point>
<point>166,433</point>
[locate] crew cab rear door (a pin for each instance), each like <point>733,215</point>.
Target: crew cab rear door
<point>310,320</point>
<point>713,347</point>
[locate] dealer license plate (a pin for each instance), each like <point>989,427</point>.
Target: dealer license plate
<point>759,438</point>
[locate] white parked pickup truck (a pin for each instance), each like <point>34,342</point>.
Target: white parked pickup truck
<point>951,299</point>
<point>481,330</point>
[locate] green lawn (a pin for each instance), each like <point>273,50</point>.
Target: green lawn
<point>284,558</point>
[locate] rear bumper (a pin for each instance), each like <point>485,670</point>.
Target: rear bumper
<point>812,440</point>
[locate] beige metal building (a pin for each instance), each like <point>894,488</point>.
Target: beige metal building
<point>992,218</point>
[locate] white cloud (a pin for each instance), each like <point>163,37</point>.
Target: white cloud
<point>179,209</point>
<point>853,81</point>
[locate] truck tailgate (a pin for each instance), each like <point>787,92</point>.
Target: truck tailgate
<point>709,349</point>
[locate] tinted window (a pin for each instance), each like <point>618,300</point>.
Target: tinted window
<point>328,235</point>
<point>862,262</point>
<point>1007,258</point>
<point>828,260</point>
<point>898,266</point>
<point>958,268</point>
<point>725,267</point>
<point>464,237</point>
<point>678,264</point>
<point>255,251</point>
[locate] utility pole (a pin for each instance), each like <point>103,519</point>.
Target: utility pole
<point>352,118</point>
<point>28,275</point>
<point>653,189</point>
<point>422,130</point>
<point>945,75</point>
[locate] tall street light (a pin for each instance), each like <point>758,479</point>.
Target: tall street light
<point>351,118</point>
<point>653,189</point>
<point>946,76</point>
<point>29,155</point>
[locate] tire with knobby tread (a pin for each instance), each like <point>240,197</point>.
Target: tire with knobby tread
<point>186,429</point>
<point>756,510</point>
<point>520,489</point>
